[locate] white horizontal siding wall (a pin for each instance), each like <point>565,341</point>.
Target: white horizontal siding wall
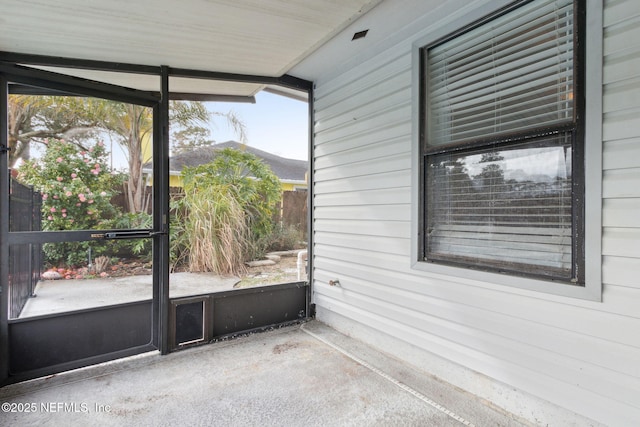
<point>583,356</point>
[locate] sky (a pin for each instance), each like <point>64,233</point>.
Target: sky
<point>276,124</point>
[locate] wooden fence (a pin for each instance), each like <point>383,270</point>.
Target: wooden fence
<point>293,212</point>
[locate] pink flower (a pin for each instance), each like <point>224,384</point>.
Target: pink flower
<point>45,196</point>
<point>90,201</point>
<point>68,194</point>
<point>71,221</point>
<point>86,160</point>
<point>81,196</point>
<point>103,193</point>
<point>59,159</point>
<point>59,178</point>
<point>78,204</point>
<point>95,172</point>
<point>100,144</point>
<point>53,209</point>
<point>97,166</point>
<point>73,175</point>
<point>50,218</point>
<point>91,150</point>
<point>89,212</point>
<point>83,153</point>
<point>56,197</point>
<point>64,215</point>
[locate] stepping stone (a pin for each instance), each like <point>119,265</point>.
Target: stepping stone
<point>51,275</point>
<point>260,263</point>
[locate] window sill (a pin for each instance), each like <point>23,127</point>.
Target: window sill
<point>591,291</point>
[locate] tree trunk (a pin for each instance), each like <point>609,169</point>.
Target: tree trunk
<point>135,188</point>
<point>134,142</point>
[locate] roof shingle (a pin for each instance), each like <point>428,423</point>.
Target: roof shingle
<point>285,169</point>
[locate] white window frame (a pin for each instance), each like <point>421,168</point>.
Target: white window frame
<point>592,289</point>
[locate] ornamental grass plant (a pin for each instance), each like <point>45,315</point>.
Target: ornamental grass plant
<point>216,231</point>
<point>226,215</point>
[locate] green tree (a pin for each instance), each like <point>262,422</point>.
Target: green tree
<point>33,119</point>
<point>133,125</point>
<point>188,139</point>
<point>492,185</point>
<point>191,137</point>
<point>492,173</point>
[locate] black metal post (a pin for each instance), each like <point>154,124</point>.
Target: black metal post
<point>4,231</point>
<point>161,214</point>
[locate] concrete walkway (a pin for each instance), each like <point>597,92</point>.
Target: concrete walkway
<point>55,296</point>
<point>307,375</point>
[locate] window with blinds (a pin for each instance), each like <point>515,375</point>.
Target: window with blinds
<point>501,140</point>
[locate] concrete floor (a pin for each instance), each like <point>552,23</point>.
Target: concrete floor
<point>305,375</point>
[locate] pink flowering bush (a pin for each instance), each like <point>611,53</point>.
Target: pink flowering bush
<point>76,189</point>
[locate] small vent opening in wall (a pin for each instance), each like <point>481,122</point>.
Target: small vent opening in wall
<point>360,35</point>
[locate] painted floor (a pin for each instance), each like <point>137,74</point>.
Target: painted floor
<point>303,375</point>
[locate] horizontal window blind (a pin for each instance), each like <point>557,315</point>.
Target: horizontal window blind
<point>510,74</point>
<point>508,208</point>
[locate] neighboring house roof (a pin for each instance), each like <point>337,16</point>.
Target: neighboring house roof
<point>285,169</point>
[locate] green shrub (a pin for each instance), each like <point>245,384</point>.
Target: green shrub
<point>76,188</point>
<point>135,247</point>
<point>225,216</point>
<point>285,238</point>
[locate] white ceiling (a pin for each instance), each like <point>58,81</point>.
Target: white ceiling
<point>257,37</point>
<point>389,23</point>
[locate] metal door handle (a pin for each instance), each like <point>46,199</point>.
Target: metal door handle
<point>133,234</point>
